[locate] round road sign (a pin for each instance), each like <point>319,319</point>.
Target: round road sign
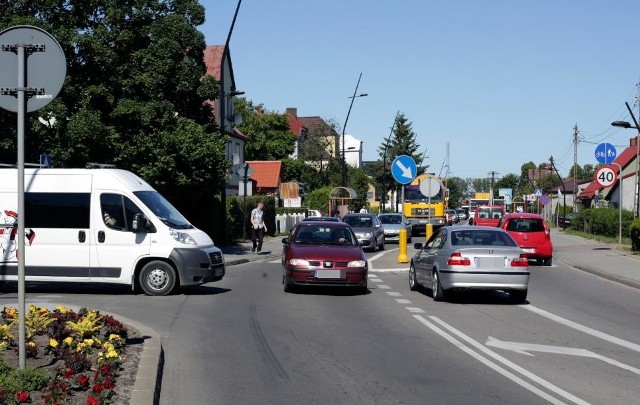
<point>605,176</point>
<point>45,70</point>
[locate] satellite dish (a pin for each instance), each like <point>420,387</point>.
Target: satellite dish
<point>235,159</point>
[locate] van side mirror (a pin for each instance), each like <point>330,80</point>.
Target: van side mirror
<point>140,223</point>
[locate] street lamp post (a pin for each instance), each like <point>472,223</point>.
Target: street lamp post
<point>344,127</point>
<point>386,146</point>
<point>625,124</point>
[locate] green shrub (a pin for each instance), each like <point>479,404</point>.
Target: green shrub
<point>634,234</point>
<point>602,221</point>
<point>13,380</point>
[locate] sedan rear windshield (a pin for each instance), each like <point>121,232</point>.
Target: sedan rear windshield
<point>526,225</point>
<point>481,238</point>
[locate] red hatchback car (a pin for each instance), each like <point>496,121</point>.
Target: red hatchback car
<point>531,233</point>
<point>323,253</point>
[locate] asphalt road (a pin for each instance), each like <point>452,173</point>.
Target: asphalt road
<point>243,340</point>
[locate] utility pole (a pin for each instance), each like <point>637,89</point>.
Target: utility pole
<point>575,165</point>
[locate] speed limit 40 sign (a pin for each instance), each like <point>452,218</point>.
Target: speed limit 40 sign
<point>605,176</point>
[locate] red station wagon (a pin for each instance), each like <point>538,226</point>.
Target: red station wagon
<point>531,233</point>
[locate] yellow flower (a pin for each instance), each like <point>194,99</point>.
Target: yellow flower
<point>32,308</point>
<point>89,342</point>
<point>115,337</point>
<point>61,309</point>
<point>31,344</point>
<point>68,341</point>
<point>53,343</point>
<point>112,354</point>
<point>80,347</point>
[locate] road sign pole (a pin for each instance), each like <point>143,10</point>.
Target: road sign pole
<point>20,253</point>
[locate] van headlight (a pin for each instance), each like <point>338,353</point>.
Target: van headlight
<point>183,237</point>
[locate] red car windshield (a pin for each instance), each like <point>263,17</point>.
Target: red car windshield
<point>322,235</point>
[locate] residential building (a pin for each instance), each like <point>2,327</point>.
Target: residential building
<point>267,176</point>
<point>295,126</point>
<point>352,150</point>
<point>217,58</point>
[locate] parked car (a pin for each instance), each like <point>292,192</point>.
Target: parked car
<point>470,257</point>
<point>392,224</point>
<point>531,233</point>
<point>323,253</point>
<point>488,215</point>
<point>313,213</point>
<point>322,219</point>
<point>462,214</point>
<point>368,229</point>
<point>565,222</point>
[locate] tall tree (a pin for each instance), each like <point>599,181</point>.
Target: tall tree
<point>134,94</point>
<point>269,137</point>
<point>403,141</point>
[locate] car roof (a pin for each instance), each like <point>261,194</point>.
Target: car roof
<point>337,224</point>
<point>357,214</point>
<point>321,219</point>
<point>522,215</point>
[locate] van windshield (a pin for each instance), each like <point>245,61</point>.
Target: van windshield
<point>163,209</point>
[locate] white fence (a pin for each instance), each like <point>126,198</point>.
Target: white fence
<point>285,222</point>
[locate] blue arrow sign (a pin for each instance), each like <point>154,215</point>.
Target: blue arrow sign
<point>404,169</point>
<point>605,153</point>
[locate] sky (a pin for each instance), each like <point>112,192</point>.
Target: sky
<point>488,85</point>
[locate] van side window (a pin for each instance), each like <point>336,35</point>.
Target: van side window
<point>117,211</point>
<point>57,210</point>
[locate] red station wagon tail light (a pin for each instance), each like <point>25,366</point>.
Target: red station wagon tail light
<point>456,259</point>
<point>522,261</point>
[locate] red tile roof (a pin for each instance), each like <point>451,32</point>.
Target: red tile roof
<point>266,174</point>
<point>213,59</point>
<point>295,125</point>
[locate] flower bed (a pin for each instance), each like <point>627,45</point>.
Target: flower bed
<point>71,358</point>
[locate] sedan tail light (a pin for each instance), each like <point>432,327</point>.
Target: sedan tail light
<point>456,259</point>
<point>522,261</point>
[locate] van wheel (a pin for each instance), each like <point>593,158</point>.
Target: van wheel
<point>157,278</point>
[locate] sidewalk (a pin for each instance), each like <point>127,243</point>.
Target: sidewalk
<point>605,260</point>
<point>241,253</point>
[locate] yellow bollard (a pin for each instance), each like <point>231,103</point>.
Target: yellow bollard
<point>402,243</point>
<point>429,232</point>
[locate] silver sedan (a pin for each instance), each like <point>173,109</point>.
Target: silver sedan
<point>470,257</point>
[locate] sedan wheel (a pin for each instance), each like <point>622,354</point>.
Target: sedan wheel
<point>548,261</point>
<point>382,245</point>
<point>413,280</point>
<point>436,288</point>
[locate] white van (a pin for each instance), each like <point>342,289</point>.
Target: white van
<point>105,226</point>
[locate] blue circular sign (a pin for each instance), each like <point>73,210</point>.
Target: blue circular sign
<point>605,153</point>
<point>404,169</point>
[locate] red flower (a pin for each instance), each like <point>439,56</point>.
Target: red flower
<point>69,373</point>
<point>22,396</point>
<point>97,388</point>
<point>108,384</point>
<point>91,400</point>
<point>82,380</point>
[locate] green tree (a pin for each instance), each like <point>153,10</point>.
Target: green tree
<point>269,137</point>
<point>403,141</point>
<point>457,191</point>
<point>316,150</point>
<point>359,181</point>
<point>294,169</point>
<point>134,95</point>
<point>588,171</point>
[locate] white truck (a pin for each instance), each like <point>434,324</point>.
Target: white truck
<point>101,226</point>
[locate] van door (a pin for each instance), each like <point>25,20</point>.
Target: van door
<point>117,247</point>
<point>57,236</point>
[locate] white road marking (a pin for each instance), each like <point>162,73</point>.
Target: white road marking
<point>394,294</point>
<point>525,348</point>
<point>384,287</point>
<point>396,270</point>
<point>415,310</point>
<point>582,328</point>
<point>376,280</point>
<point>501,359</point>
<point>275,261</point>
<point>403,301</point>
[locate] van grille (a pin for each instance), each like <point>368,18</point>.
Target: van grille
<point>216,258</point>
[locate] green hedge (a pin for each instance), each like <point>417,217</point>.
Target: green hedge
<point>634,234</point>
<point>602,221</point>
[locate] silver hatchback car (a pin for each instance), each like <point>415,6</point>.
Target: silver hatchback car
<point>470,257</point>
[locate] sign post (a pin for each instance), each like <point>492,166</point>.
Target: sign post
<point>404,170</point>
<point>27,83</point>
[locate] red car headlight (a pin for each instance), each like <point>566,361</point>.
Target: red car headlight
<point>357,263</point>
<point>299,263</point>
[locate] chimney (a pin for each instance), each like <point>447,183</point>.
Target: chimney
<point>633,142</point>
<point>293,111</point>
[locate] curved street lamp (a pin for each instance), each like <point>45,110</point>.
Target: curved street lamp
<point>625,124</point>
<point>344,127</point>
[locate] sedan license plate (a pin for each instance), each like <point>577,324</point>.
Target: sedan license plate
<point>218,272</point>
<point>328,274</point>
<point>529,250</point>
